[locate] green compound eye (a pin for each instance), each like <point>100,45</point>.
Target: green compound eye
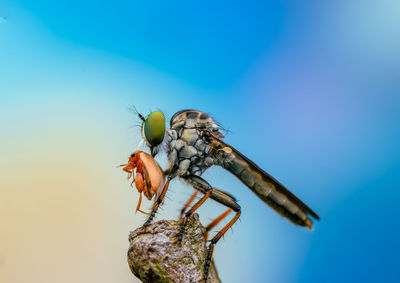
<point>153,128</point>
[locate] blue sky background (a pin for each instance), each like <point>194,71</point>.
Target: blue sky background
<point>308,89</point>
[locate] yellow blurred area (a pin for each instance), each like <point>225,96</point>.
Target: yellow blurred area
<point>65,209</point>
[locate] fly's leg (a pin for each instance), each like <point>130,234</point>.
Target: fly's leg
<point>157,203</point>
<point>160,198</point>
<point>191,211</point>
<point>216,221</point>
<point>223,198</point>
<point>187,204</point>
<point>214,240</point>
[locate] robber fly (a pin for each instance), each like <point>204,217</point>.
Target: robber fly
<point>193,143</point>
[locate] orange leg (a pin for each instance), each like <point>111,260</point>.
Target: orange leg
<point>157,203</point>
<point>190,212</point>
<point>138,205</point>
<point>223,198</point>
<point>216,222</point>
<point>214,240</point>
<point>188,203</point>
<point>218,236</point>
<point>172,174</point>
<point>128,168</point>
<point>198,204</point>
<point>133,180</point>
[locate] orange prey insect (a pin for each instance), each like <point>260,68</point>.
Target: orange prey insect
<point>149,177</point>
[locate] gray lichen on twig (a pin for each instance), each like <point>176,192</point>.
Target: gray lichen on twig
<point>154,254</point>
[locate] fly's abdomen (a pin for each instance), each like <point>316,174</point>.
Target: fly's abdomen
<point>268,189</point>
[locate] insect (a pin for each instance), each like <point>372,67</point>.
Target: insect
<point>149,177</point>
<point>193,144</point>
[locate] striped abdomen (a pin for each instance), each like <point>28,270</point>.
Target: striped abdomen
<point>268,189</point>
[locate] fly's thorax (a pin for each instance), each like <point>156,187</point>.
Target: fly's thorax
<point>190,136</point>
<point>188,148</point>
<point>194,119</point>
<point>189,151</point>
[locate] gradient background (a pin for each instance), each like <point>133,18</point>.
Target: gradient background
<point>310,91</point>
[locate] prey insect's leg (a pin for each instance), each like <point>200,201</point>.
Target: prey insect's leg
<point>138,205</point>
<point>140,185</point>
<point>215,222</point>
<point>187,204</point>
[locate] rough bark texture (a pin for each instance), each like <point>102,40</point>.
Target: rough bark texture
<point>155,255</point>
